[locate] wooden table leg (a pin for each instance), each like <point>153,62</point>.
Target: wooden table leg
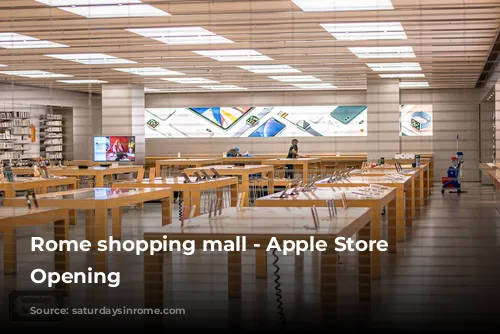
<point>99,180</point>
<point>9,193</point>
<point>429,190</point>
<point>245,187</point>
<point>270,186</point>
<point>260,263</point>
<point>101,233</point>
<point>365,266</point>
<point>305,172</point>
<point>61,259</point>
<point>417,196</point>
<point>9,252</point>
<point>158,168</point>
<point>392,226</point>
<point>73,217</point>
<point>89,229</point>
<point>408,207</point>
<point>219,195</point>
<point>195,200</point>
<point>234,274</point>
<point>413,196</point>
<point>166,211</point>
<point>376,234</point>
<point>153,287</point>
<point>328,283</point>
<point>234,195</point>
<point>116,223</point>
<point>422,188</point>
<point>400,213</point>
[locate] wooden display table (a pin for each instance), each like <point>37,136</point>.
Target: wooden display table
<point>259,225</point>
<point>191,192</point>
<point>30,183</point>
<point>97,172</point>
<point>340,161</point>
<point>319,197</point>
<point>305,163</point>
<point>402,186</point>
<point>423,169</point>
<point>96,202</point>
<point>244,172</point>
<point>185,162</point>
<point>417,181</point>
<point>14,218</point>
<point>492,172</point>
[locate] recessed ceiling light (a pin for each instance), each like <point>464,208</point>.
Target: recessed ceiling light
<point>148,71</point>
<point>78,82</point>
<point>316,86</point>
<point>383,52</point>
<point>36,74</point>
<point>399,67</point>
<point>10,40</point>
<point>295,78</point>
<point>405,75</point>
<point>413,84</point>
<point>93,9</point>
<point>190,80</point>
<point>263,69</point>
<point>181,35</point>
<point>223,87</point>
<point>91,58</point>
<point>365,31</point>
<point>342,5</point>
<point>233,55</point>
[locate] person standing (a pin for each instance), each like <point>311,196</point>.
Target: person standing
<point>293,153</point>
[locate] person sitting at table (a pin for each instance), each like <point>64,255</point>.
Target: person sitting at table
<point>234,152</point>
<point>293,153</point>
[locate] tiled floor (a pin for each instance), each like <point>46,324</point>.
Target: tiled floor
<point>447,274</point>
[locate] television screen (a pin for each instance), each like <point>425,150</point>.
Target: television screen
<point>114,148</point>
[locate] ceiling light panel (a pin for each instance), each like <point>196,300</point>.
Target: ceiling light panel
<point>268,69</point>
<point>94,9</point>
<point>342,5</point>
<point>233,55</point>
<point>190,80</point>
<point>9,40</point>
<point>223,87</point>
<point>181,35</point>
<point>403,75</point>
<point>365,31</point>
<point>79,82</point>
<point>35,74</point>
<point>295,78</point>
<point>315,86</point>
<point>413,84</point>
<point>399,67</point>
<point>383,52</point>
<point>148,71</point>
<point>91,58</point>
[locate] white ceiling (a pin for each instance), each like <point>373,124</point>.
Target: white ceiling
<point>450,39</point>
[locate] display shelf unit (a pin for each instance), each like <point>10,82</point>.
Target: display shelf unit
<point>14,134</point>
<point>51,136</point>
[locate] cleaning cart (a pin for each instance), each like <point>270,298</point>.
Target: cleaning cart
<point>452,181</point>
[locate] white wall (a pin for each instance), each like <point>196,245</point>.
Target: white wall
<point>84,107</point>
<point>455,112</point>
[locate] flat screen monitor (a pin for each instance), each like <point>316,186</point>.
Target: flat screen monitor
<point>114,149</point>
